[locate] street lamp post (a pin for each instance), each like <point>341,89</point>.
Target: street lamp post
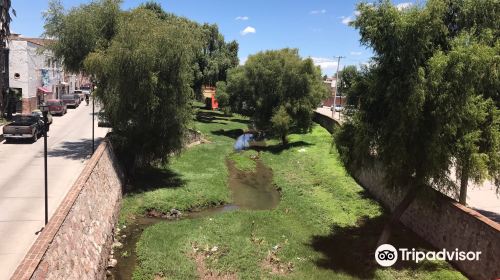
<point>45,110</point>
<point>93,118</point>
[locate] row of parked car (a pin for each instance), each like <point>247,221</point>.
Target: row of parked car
<point>32,126</point>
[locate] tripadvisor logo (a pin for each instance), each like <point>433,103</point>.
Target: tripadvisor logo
<point>386,255</point>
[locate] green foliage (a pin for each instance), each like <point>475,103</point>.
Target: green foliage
<point>145,63</point>
<point>245,160</point>
<point>215,58</point>
<point>273,79</point>
<point>194,179</point>
<point>281,123</point>
<point>221,94</point>
<point>317,195</point>
<point>144,80</point>
<point>348,78</point>
<point>81,30</point>
<point>465,82</point>
<point>425,97</point>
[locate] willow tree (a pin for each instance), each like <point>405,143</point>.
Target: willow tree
<point>467,79</point>
<point>278,89</point>
<point>409,127</point>
<point>142,66</point>
<point>144,81</point>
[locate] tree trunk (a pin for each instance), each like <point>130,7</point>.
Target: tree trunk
<point>464,180</point>
<point>283,139</point>
<point>397,213</point>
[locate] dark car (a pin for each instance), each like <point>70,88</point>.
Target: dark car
<point>40,114</point>
<point>24,127</point>
<point>71,100</point>
<point>57,107</point>
<point>80,94</point>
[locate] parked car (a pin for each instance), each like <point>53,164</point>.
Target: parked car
<point>80,94</point>
<point>40,114</point>
<point>24,127</point>
<point>71,100</point>
<point>56,106</point>
<point>338,108</point>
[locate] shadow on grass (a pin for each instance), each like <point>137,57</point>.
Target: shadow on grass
<point>241,121</point>
<point>152,178</point>
<point>350,249</point>
<point>278,148</point>
<point>231,133</point>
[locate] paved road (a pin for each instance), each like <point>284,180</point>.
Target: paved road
<point>483,198</point>
<point>22,181</point>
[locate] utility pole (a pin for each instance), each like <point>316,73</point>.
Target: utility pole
<point>336,86</point>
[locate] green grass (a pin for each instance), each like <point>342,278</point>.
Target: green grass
<point>244,160</point>
<point>326,226</point>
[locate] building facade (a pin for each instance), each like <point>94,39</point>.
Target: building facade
<point>34,74</point>
<point>331,84</point>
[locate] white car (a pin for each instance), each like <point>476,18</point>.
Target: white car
<point>338,108</point>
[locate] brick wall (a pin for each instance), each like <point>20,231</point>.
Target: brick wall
<point>445,224</point>
<point>326,122</point>
<point>29,104</point>
<point>76,242</point>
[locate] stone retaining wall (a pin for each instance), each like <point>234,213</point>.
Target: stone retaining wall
<point>76,242</point>
<point>443,223</point>
<point>326,122</point>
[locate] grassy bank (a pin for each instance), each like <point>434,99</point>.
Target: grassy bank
<point>325,226</point>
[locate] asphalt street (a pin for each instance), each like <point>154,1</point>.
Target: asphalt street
<point>22,180</point>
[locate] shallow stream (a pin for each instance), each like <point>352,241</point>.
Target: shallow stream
<point>249,190</point>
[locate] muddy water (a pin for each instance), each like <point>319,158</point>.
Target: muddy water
<point>250,190</point>
<point>253,190</point>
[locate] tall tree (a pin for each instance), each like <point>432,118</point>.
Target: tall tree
<point>81,30</point>
<point>277,85</point>
<point>144,81</point>
<point>5,19</point>
<point>142,63</point>
<point>467,78</point>
<point>400,122</point>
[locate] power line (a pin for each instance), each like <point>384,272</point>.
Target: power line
<point>336,85</point>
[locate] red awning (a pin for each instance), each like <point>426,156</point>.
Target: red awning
<point>44,90</point>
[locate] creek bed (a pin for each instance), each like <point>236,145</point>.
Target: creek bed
<point>253,190</point>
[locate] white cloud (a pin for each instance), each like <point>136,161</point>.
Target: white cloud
<point>357,13</point>
<point>243,60</point>
<point>402,6</point>
<point>326,64</point>
<point>248,30</point>
<point>356,53</point>
<point>242,18</point>
<point>347,20</point>
<point>317,12</point>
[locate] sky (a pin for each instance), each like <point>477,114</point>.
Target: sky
<point>318,28</point>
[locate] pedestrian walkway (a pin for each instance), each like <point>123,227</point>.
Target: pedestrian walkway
<point>326,111</point>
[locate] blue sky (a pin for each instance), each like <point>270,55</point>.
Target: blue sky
<point>316,27</point>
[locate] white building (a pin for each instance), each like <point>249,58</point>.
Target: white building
<point>33,73</point>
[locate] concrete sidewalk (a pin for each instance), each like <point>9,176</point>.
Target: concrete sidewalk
<point>22,181</point>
